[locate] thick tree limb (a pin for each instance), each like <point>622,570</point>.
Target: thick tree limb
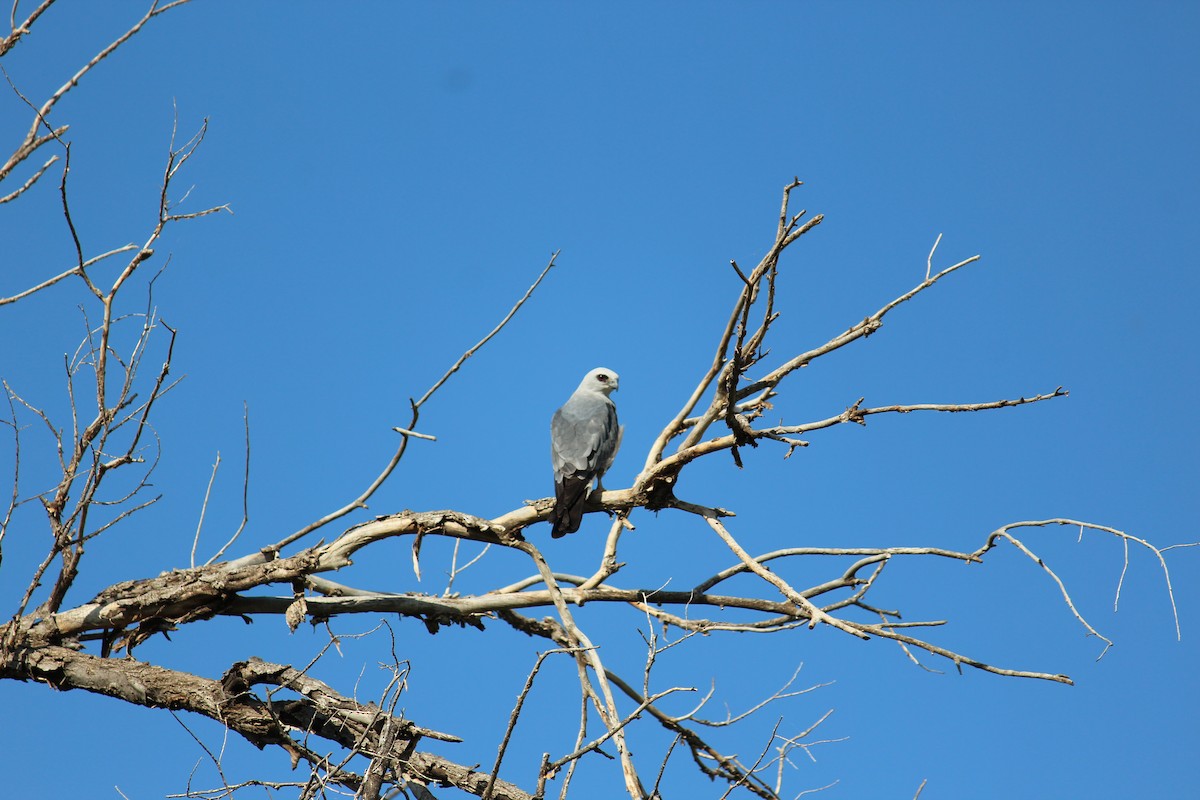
<point>230,702</point>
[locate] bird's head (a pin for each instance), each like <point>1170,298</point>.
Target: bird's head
<point>601,380</point>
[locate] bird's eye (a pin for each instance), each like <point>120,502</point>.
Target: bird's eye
<point>602,378</point>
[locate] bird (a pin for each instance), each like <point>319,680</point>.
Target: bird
<point>584,439</point>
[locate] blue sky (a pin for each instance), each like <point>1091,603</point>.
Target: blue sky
<point>400,173</point>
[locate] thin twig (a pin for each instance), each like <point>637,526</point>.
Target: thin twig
<point>361,500</point>
<point>245,492</point>
<point>929,261</point>
<point>512,719</point>
<point>204,508</point>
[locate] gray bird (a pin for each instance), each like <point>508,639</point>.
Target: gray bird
<point>584,438</point>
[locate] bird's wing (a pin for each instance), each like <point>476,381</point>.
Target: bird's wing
<point>584,436</point>
<point>612,455</point>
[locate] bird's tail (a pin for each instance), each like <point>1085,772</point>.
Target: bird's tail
<point>569,496</point>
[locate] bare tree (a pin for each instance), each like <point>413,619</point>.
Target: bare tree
<point>106,449</point>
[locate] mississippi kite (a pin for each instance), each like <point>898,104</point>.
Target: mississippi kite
<point>584,437</point>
